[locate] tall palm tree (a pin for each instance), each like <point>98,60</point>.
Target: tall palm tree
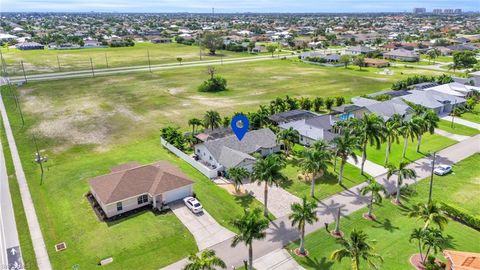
<point>391,133</point>
<point>212,119</point>
<point>315,162</point>
<point>237,174</point>
<point>374,189</point>
<point>288,137</point>
<point>429,213</point>
<point>428,123</point>
<point>345,146</point>
<point>194,122</point>
<point>303,213</point>
<point>206,261</point>
<point>402,173</point>
<point>409,130</point>
<point>370,130</point>
<point>251,226</point>
<point>267,171</point>
<point>357,247</point>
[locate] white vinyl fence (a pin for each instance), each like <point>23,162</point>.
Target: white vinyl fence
<point>197,165</point>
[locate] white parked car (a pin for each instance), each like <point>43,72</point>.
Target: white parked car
<point>442,169</point>
<point>193,204</point>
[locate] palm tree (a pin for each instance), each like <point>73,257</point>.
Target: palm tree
<point>429,239</point>
<point>357,247</point>
<point>370,130</point>
<point>288,137</point>
<point>374,189</point>
<point>303,213</point>
<point>391,133</point>
<point>429,213</point>
<point>408,129</point>
<point>206,261</point>
<point>267,171</point>
<point>315,161</point>
<point>194,122</point>
<point>428,123</point>
<point>251,226</point>
<point>417,234</point>
<point>345,147</point>
<point>237,174</point>
<point>212,119</point>
<point>402,173</point>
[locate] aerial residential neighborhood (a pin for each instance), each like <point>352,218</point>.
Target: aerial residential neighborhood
<point>266,135</point>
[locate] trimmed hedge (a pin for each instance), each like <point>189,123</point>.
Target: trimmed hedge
<point>460,215</point>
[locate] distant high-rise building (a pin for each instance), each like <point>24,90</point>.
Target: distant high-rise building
<point>448,11</point>
<point>437,11</point>
<point>458,11</point>
<point>419,10</point>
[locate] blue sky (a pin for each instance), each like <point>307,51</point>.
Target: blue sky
<point>233,5</point>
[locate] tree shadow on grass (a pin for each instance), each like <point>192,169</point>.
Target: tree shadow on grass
<point>244,201</point>
<point>322,264</point>
<point>386,225</point>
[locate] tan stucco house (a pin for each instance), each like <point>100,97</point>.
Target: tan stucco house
<point>130,186</point>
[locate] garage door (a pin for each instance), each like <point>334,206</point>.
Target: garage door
<point>177,194</point>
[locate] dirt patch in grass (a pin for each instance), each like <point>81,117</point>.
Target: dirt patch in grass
<point>175,91</point>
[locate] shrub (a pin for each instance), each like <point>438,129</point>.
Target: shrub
<point>460,215</point>
<point>215,84</point>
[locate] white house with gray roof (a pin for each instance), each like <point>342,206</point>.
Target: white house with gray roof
<point>455,89</point>
<point>385,109</point>
<point>227,152</point>
<point>312,129</point>
<point>440,102</point>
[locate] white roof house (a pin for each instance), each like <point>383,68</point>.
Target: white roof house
<point>454,89</point>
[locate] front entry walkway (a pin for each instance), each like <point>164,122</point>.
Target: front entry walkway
<point>277,260</point>
<point>373,169</point>
<point>279,200</point>
<point>204,228</point>
<point>452,136</point>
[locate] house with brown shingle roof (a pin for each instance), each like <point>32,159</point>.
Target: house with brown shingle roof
<point>130,186</point>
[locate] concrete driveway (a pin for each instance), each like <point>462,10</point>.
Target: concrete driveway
<point>204,228</point>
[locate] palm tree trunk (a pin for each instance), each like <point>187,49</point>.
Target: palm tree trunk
<point>420,249</point>
<point>340,175</point>
<point>265,200</point>
<point>355,263</point>
<point>312,186</point>
<point>364,156</point>
<point>405,144</point>
<point>419,143</point>
<point>250,257</point>
<point>335,163</point>
<point>387,153</point>
<point>302,241</point>
<point>397,199</point>
<point>370,206</point>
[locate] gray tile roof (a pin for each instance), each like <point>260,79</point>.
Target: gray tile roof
<point>292,115</point>
<point>315,128</point>
<point>421,98</point>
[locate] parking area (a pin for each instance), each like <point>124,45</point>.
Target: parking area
<point>204,228</point>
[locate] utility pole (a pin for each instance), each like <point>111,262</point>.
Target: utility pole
<point>24,74</point>
<point>431,178</point>
<point>149,64</point>
<point>58,62</point>
<point>106,59</point>
<point>200,45</point>
<point>453,112</point>
<point>18,106</point>
<point>91,65</point>
<point>39,159</point>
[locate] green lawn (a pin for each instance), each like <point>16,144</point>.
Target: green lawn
<point>393,227</point>
<point>37,61</point>
<point>86,126</point>
<point>457,128</point>
<point>325,186</point>
<point>473,116</point>
<point>430,143</point>
<point>441,58</point>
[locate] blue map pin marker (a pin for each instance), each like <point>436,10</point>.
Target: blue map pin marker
<point>240,125</point>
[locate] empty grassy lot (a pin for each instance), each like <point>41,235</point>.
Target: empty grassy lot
<point>85,126</point>
<point>38,61</point>
<point>457,128</point>
<point>392,228</point>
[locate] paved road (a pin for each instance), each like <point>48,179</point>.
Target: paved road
<point>120,70</point>
<point>33,225</point>
<point>280,232</point>
<point>10,253</point>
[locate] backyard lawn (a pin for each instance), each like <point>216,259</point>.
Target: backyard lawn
<point>37,61</point>
<point>392,229</point>
<point>86,126</point>
<point>457,128</point>
<point>473,116</point>
<point>430,143</point>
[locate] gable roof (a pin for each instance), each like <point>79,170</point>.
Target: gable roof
<point>463,260</point>
<point>421,98</point>
<point>153,179</point>
<point>387,109</point>
<point>454,89</point>
<point>292,115</point>
<point>316,128</point>
<point>401,53</point>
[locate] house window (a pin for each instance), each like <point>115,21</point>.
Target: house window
<point>142,199</point>
<point>119,206</point>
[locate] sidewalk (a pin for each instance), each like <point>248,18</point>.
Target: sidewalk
<point>280,232</point>
<point>462,122</point>
<point>373,169</point>
<point>452,136</point>
<point>277,260</point>
<point>35,232</point>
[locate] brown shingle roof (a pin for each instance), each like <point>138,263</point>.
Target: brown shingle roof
<point>154,179</point>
